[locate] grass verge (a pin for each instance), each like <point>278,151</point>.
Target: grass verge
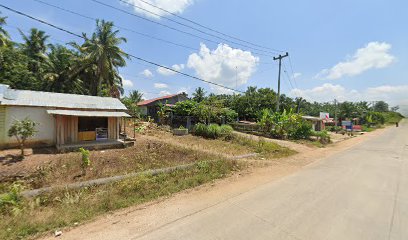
<point>264,148</point>
<point>63,208</point>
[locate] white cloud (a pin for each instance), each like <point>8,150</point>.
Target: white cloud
<point>324,93</point>
<point>147,73</point>
<point>224,65</point>
<point>373,55</point>
<point>296,75</point>
<point>166,72</point>
<point>164,93</point>
<point>173,6</point>
<point>127,83</point>
<point>160,85</point>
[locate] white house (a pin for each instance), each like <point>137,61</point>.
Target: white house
<point>63,119</point>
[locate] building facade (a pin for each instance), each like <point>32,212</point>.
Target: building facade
<point>61,118</point>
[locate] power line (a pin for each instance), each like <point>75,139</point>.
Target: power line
<point>293,73</point>
<point>167,26</point>
<point>136,32</point>
<point>195,29</point>
<point>208,28</point>
<point>131,55</point>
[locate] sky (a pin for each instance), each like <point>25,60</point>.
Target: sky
<point>346,50</point>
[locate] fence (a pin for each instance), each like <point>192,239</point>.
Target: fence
<point>246,128</point>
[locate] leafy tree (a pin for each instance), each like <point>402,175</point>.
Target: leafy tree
<point>395,108</point>
<point>199,94</point>
<point>22,129</point>
<point>381,106</point>
<point>14,70</point>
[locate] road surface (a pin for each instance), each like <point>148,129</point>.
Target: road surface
<point>359,193</point>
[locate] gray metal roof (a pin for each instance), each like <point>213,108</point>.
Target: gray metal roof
<point>60,100</point>
<point>88,113</point>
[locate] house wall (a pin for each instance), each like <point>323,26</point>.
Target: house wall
<point>45,135</point>
<point>143,110</point>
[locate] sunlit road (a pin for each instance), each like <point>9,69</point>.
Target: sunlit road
<point>361,193</point>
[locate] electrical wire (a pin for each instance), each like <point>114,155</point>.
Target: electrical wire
<point>167,26</point>
<point>131,55</point>
<point>134,31</point>
<point>195,29</point>
<point>205,27</point>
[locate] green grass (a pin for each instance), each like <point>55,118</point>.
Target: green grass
<point>264,148</point>
<point>65,208</point>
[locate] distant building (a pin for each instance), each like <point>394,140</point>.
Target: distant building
<point>150,107</point>
<point>317,122</point>
<point>63,119</point>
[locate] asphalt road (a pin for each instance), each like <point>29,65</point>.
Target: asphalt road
<point>360,193</point>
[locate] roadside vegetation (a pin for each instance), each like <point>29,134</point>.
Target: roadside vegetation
<point>22,217</point>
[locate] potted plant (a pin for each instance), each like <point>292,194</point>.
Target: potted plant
<point>181,131</point>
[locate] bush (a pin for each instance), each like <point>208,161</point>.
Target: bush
<point>200,129</point>
<point>213,131</point>
<point>302,130</point>
<point>322,136</point>
<point>10,202</point>
<point>226,131</point>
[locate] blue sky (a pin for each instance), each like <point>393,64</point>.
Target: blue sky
<point>350,50</point>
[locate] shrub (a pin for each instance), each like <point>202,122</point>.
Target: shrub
<point>10,202</point>
<point>322,136</point>
<point>213,131</point>
<point>200,129</point>
<point>226,131</point>
<point>22,130</point>
<point>301,130</point>
<point>86,162</point>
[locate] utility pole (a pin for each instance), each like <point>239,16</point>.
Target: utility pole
<point>335,112</point>
<point>280,66</point>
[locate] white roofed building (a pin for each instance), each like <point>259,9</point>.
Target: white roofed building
<point>63,119</point>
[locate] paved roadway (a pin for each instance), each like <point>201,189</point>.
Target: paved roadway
<point>361,193</point>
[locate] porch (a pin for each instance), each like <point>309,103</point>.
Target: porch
<point>88,129</point>
<point>94,145</point>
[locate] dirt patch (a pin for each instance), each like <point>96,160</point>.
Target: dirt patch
<point>40,170</point>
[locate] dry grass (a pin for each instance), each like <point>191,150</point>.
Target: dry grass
<point>146,154</point>
<point>66,208</point>
<point>238,145</point>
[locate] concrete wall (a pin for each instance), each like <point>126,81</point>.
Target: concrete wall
<point>45,135</point>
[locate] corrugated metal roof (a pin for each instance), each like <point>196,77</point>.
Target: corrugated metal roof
<point>146,102</point>
<point>61,100</point>
<point>87,113</point>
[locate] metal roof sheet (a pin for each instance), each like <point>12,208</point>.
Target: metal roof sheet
<point>61,100</point>
<point>146,102</point>
<point>87,113</point>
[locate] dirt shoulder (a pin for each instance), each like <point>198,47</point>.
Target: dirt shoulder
<point>139,220</point>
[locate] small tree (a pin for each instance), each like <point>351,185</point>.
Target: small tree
<point>22,130</point>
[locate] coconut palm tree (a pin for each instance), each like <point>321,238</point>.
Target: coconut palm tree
<point>35,47</point>
<point>136,96</point>
<point>101,57</point>
<point>199,94</point>
<point>4,37</point>
<point>58,69</point>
